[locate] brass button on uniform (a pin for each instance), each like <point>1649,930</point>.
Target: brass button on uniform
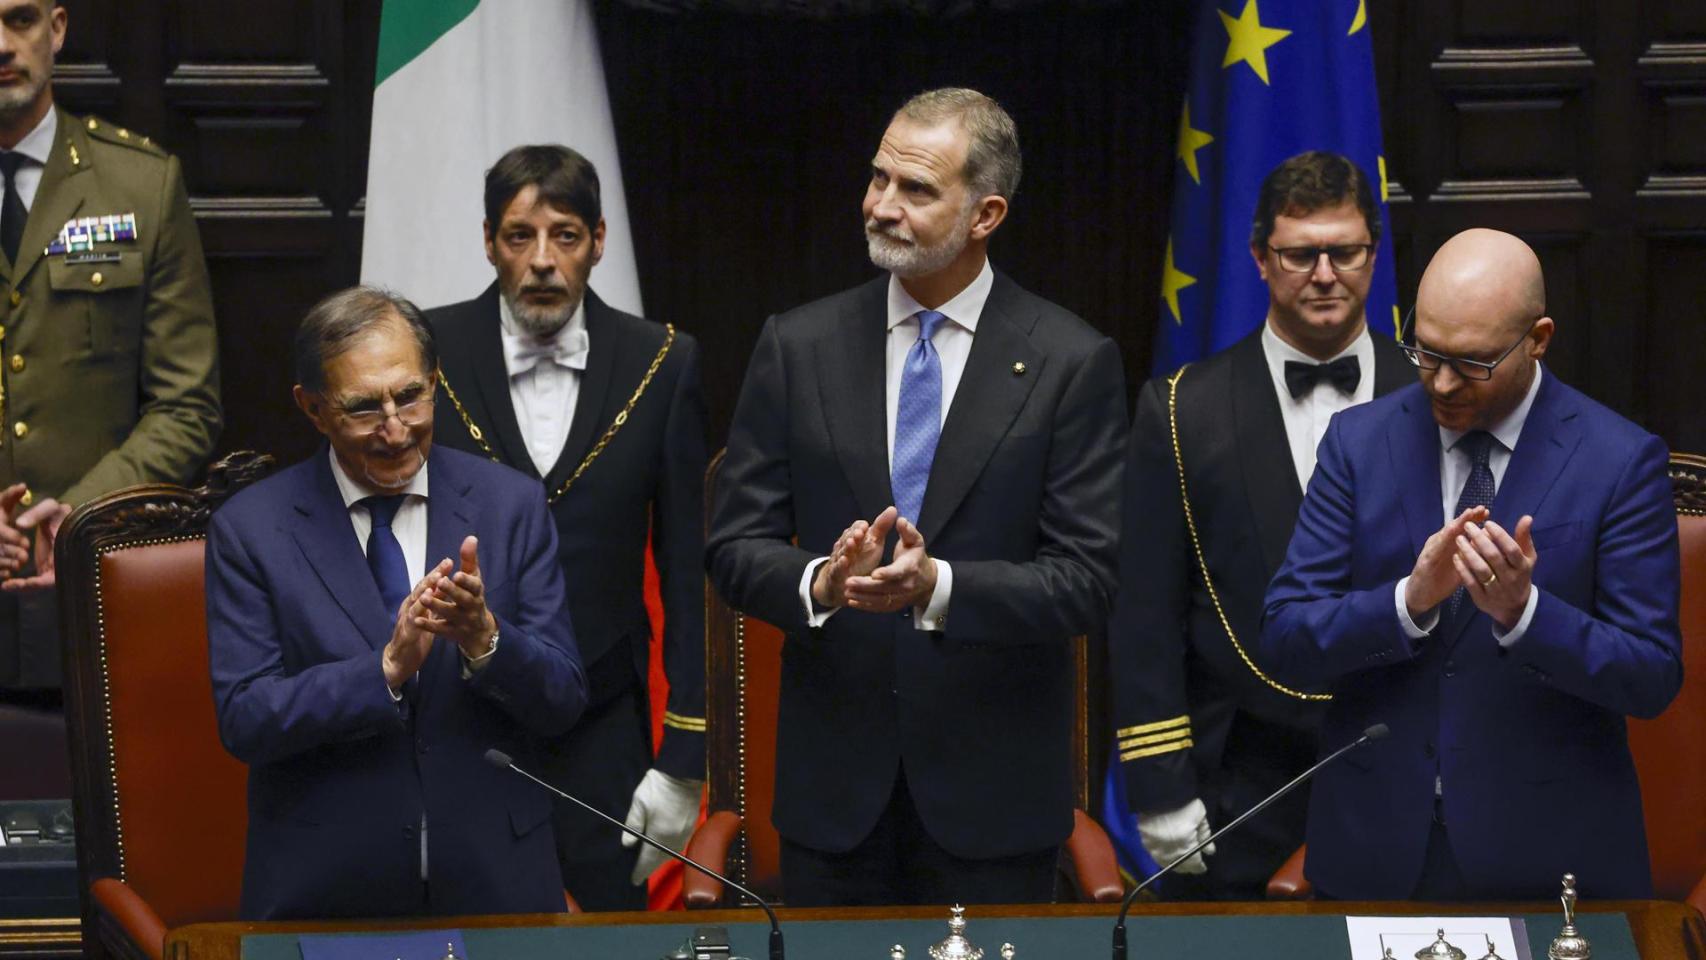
<point>16,298</point>
<point>21,429</point>
<point>17,364</point>
<point>96,278</point>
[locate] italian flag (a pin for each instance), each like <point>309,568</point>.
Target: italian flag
<point>458,83</point>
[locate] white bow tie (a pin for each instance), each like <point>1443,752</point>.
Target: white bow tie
<point>566,349</point>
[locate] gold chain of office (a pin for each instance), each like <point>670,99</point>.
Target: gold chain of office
<point>1202,563</point>
<point>603,441</point>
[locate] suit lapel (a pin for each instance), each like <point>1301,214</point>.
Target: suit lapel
<point>605,353</point>
<point>61,193</point>
<point>450,518</point>
<point>1413,442</point>
<point>990,395</point>
<point>849,362</point>
<point>329,547</point>
<point>1263,445</point>
<point>1549,438</point>
<point>487,397</point>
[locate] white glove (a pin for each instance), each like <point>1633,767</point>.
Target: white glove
<point>1168,835</point>
<point>664,808</point>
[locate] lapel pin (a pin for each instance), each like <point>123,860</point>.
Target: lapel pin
<point>1018,369</point>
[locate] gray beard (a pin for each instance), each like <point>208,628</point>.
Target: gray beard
<point>912,260</point>
<point>15,101</point>
<point>540,322</point>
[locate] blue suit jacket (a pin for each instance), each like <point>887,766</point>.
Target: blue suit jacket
<point>339,774</point>
<point>1529,740</point>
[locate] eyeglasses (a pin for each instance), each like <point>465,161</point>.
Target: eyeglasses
<point>1462,366</point>
<point>412,406</point>
<point>1345,257</point>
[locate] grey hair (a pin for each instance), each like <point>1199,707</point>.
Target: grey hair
<point>993,162</point>
<point>331,325</point>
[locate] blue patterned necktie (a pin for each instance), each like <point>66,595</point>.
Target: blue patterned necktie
<point>918,418</point>
<point>1478,491</point>
<point>385,554</point>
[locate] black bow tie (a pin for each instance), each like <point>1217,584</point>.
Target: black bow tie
<point>1344,374</point>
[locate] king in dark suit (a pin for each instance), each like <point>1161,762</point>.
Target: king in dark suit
<point>364,707</point>
<point>1203,733</point>
<point>927,677</point>
<point>1487,563</point>
<point>540,374</point>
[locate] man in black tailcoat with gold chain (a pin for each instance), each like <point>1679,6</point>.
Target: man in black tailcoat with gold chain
<point>1203,733</point>
<point>537,373</point>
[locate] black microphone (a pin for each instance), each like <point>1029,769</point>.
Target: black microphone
<point>498,758</point>
<point>1375,732</point>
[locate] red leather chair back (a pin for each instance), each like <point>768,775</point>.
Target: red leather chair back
<point>743,675</point>
<point>160,804</point>
<point>1668,750</point>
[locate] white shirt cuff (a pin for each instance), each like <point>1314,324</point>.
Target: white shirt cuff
<point>814,618</point>
<point>934,615</point>
<point>1412,629</point>
<point>1515,633</point>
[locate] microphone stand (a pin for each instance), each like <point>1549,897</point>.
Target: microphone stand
<point>498,758</point>
<point>1372,733</point>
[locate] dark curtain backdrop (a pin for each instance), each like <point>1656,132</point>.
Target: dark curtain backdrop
<point>746,138</point>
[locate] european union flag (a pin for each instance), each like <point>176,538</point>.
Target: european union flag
<point>1269,80</point>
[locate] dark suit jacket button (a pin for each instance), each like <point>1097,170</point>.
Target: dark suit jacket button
<point>1428,751</point>
<point>409,832</point>
<point>1451,668</point>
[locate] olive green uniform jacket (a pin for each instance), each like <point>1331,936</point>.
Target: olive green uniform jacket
<point>108,361</point>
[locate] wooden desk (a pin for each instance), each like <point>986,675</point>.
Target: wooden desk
<point>1662,930</point>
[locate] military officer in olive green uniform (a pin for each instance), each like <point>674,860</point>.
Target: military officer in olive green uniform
<point>108,362</point>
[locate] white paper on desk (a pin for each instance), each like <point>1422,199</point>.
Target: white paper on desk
<point>1372,936</point>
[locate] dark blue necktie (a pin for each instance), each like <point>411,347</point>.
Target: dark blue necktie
<point>1477,490</point>
<point>385,554</point>
<point>13,214</point>
<point>918,418</point>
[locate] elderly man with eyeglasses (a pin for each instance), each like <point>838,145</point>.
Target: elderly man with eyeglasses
<point>1487,563</point>
<point>371,636</point>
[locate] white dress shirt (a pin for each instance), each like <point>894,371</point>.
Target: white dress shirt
<point>1306,417</point>
<point>953,345</point>
<point>409,525</point>
<point>1454,468</point>
<point>544,382</point>
<point>36,146</point>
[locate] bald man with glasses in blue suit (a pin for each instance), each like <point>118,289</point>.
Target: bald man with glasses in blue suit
<point>1486,562</point>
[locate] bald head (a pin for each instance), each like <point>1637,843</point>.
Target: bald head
<point>1483,301</point>
<point>1486,277</point>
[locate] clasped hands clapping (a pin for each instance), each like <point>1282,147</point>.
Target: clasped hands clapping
<point>1496,568</point>
<point>449,602</point>
<point>852,577</point>
<point>18,528</point>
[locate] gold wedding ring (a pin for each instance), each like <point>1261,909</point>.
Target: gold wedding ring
<point>1492,578</point>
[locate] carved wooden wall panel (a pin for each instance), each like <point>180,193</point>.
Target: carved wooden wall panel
<point>1581,127</point>
<point>267,105</point>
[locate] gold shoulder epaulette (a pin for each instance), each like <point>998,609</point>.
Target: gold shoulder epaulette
<point>105,132</point>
